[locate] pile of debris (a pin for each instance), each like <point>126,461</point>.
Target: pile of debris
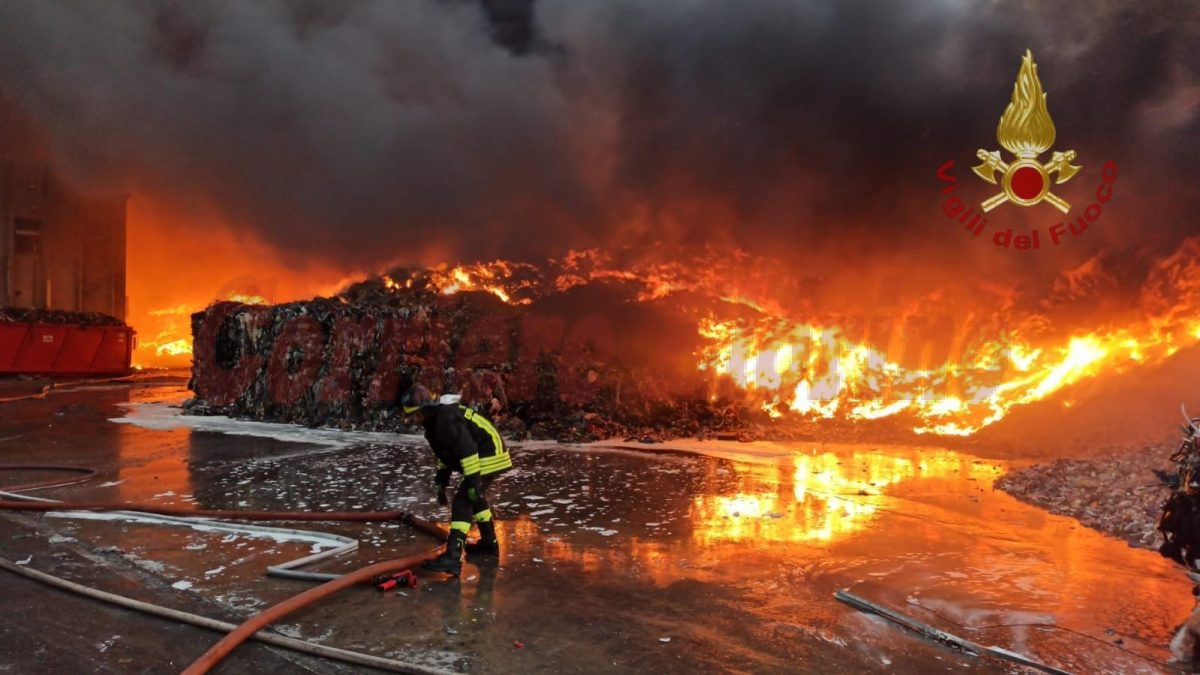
<point>343,362</point>
<point>329,363</point>
<point>583,365</point>
<point>1119,494</point>
<point>56,316</point>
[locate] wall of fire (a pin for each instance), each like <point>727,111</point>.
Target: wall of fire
<point>59,249</point>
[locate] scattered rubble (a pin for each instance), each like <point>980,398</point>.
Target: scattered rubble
<point>1117,494</point>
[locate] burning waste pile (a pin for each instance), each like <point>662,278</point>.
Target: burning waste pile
<point>537,368</point>
<point>582,349</point>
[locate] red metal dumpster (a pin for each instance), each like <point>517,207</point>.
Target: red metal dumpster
<point>65,349</point>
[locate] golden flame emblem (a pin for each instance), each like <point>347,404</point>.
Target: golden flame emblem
<point>1026,131</point>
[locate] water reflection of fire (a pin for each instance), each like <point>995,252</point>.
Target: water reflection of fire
<point>803,499</point>
<point>818,497</point>
<point>653,560</point>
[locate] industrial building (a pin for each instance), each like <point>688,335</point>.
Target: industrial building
<point>60,249</point>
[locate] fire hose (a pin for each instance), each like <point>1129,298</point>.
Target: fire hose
<point>293,644</point>
<point>47,389</point>
<point>251,628</point>
<point>200,519</point>
<point>266,617</point>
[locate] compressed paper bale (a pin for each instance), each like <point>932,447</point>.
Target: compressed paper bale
<point>340,362</point>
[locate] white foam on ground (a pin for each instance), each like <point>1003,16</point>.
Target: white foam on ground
<point>757,452</point>
<point>754,452</point>
<point>599,448</point>
<point>317,539</point>
<point>166,415</point>
<point>161,416</point>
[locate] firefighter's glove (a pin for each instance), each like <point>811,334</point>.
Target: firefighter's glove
<point>441,483</point>
<point>474,491</point>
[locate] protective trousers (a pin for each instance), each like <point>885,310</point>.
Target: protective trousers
<point>463,512</point>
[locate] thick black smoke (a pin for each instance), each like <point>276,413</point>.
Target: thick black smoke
<point>368,131</point>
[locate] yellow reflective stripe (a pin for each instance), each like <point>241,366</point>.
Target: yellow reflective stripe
<point>483,516</point>
<point>483,423</point>
<point>496,460</point>
<point>495,463</point>
<point>488,464</point>
<point>460,525</point>
<point>470,465</point>
<point>410,409</point>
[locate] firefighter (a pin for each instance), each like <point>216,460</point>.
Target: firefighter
<point>465,441</point>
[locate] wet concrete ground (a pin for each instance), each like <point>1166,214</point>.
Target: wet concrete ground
<point>713,557</point>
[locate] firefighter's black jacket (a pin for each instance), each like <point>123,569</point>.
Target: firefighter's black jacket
<point>465,441</point>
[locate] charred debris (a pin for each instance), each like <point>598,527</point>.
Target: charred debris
<point>583,365</point>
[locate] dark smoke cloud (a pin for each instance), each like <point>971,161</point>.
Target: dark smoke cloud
<point>366,131</point>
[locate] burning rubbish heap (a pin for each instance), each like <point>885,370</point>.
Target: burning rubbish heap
<point>585,348</point>
<point>541,368</point>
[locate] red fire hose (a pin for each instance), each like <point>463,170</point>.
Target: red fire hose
<point>272,614</point>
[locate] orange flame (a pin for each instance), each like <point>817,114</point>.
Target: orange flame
<point>166,285</point>
<point>816,370</point>
<point>497,278</point>
<point>788,366</point>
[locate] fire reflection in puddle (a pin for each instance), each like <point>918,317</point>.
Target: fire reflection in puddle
<point>820,496</point>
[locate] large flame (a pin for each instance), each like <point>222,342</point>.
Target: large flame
<point>820,371</point>
<point>827,370</point>
<point>1026,129</point>
<point>166,286</point>
<point>787,361</point>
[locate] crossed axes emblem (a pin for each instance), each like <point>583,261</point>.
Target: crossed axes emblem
<point>1032,178</point>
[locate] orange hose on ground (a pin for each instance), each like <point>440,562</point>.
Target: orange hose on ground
<point>164,510</point>
<point>328,516</point>
<point>87,473</point>
<point>272,614</point>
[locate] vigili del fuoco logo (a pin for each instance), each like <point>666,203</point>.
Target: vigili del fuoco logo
<point>1026,131</point>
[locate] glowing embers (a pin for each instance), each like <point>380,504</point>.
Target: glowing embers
<point>499,278</point>
<point>820,496</point>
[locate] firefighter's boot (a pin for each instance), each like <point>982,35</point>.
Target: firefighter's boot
<point>487,546</point>
<point>449,562</point>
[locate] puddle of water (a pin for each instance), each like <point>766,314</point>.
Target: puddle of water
<point>751,538</point>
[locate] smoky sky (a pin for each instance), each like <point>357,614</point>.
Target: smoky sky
<point>366,131</point>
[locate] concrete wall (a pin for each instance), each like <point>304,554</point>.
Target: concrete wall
<point>59,249</point>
